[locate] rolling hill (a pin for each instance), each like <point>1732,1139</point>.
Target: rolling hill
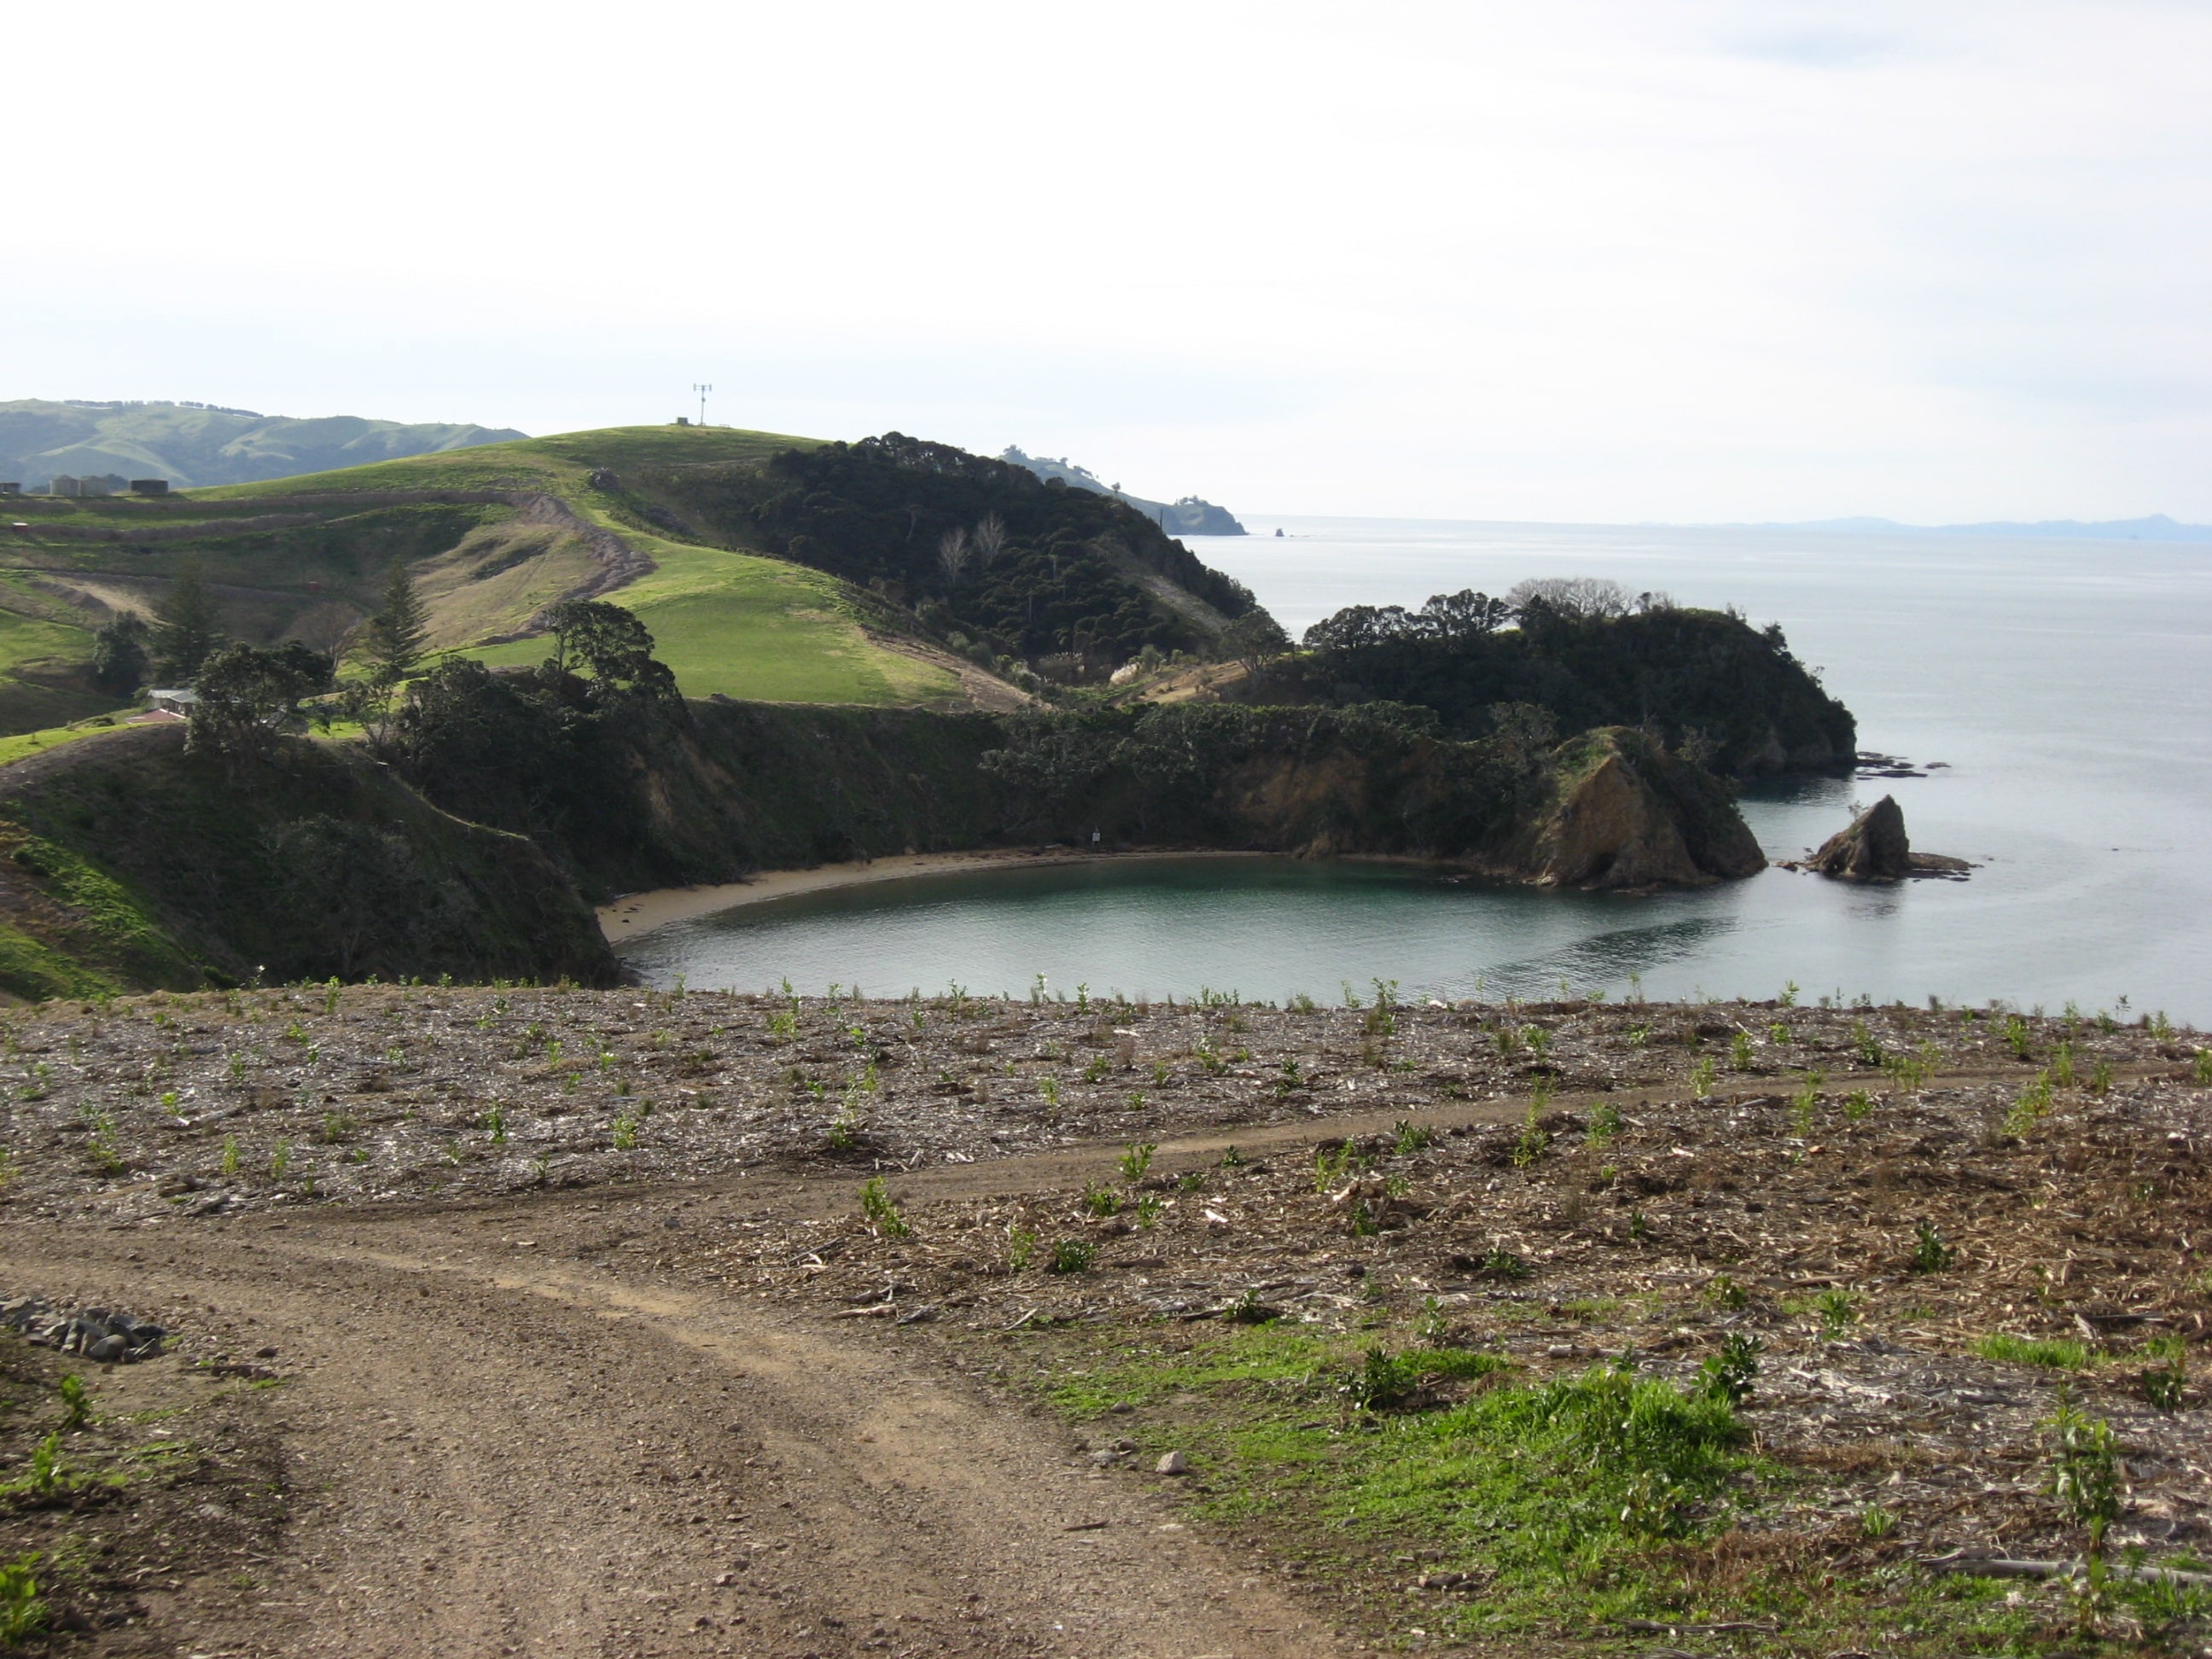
<point>768,566</point>
<point>192,445</point>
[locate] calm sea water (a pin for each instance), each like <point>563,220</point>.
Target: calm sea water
<point>2067,684</point>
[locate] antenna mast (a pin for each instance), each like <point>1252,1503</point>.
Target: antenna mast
<point>703,391</point>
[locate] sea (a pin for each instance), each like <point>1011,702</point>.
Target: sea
<point>2052,698</point>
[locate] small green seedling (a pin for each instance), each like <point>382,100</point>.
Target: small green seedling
<point>882,1215</point>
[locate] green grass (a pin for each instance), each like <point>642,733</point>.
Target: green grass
<point>2052,1353</point>
<point>24,745</point>
<point>756,629</point>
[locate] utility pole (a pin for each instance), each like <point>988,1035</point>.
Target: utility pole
<point>703,391</point>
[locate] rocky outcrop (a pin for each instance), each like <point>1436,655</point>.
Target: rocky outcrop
<point>1628,815</point>
<point>1874,848</point>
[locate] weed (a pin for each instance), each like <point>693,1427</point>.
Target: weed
<point>2050,1353</point>
<point>2160,1026</point>
<point>1865,1044</point>
<point>625,1131</point>
<point>1739,1051</point>
<point>1096,1071</point>
<point>230,1155</point>
<point>1136,1159</point>
<point>2201,1071</point>
<point>1724,1292</point>
<point>1701,1078</point>
<point>495,1122</point>
<point>1803,1105</point>
<point>1930,1253</point>
<point>882,1215</point>
<point>1149,1206</point>
<point>22,1611</point>
<point>2166,1382</point>
<point>1070,1255</point>
<point>1249,1309</point>
<point>1191,1181</point>
<point>1432,1325</point>
<point>1021,1248</point>
<point>1136,1100</point>
<point>1838,1310</point>
<point>2061,1071</point>
<point>1100,1199</point>
<point>1161,1072</point>
<point>2085,1475</point>
<point>2018,1038</point>
<point>77,1404</point>
<point>337,1126</point>
<point>279,1160</point>
<point>1231,1158</point>
<point>1535,1140</point>
<point>1728,1374</point>
<point>1049,1091</point>
<point>2032,1106</point>
<point>2100,1077</point>
<point>1300,1003</point>
<point>1605,1123</point>
<point>1502,1263</point>
<point>1876,1522</point>
<point>1858,1106</point>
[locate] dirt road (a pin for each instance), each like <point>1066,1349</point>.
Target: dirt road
<point>494,1452</point>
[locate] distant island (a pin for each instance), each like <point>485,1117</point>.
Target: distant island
<point>192,446</point>
<point>2156,528</point>
<point>1187,516</point>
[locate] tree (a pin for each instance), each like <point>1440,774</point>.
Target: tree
<point>249,697</point>
<point>615,647</point>
<point>394,637</point>
<point>121,654</point>
<point>186,627</point>
<point>1251,640</point>
<point>952,554</point>
<point>990,539</point>
<point>1587,598</point>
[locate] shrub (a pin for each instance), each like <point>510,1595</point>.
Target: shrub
<point>1728,1375</point>
<point>1071,1256</point>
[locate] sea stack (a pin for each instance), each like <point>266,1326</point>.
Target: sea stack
<point>1874,848</point>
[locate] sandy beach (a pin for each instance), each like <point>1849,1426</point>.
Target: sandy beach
<point>634,913</point>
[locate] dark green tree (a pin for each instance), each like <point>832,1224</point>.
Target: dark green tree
<point>186,627</point>
<point>122,652</point>
<point>615,647</point>
<point>392,644</point>
<point>249,697</point>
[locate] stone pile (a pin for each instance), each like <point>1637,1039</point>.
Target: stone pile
<point>100,1334</point>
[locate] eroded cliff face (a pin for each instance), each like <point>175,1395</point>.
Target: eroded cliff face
<point>1626,814</point>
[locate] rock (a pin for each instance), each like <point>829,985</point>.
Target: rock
<point>1627,814</point>
<point>1874,847</point>
<point>106,1351</point>
<point>1172,1462</point>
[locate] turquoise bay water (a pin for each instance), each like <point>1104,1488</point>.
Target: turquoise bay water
<point>2067,685</point>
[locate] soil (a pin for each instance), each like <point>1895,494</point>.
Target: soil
<point>474,1358</point>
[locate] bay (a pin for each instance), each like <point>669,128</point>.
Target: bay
<point>2067,687</point>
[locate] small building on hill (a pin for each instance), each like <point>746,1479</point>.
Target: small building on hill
<point>172,699</point>
<point>149,486</point>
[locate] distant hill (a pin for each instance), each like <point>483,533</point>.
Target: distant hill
<point>2156,528</point>
<point>194,445</point>
<point>1187,516</point>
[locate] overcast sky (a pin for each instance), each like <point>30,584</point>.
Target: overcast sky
<point>1585,260</point>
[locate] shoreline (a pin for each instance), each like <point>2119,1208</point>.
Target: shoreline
<point>635,915</point>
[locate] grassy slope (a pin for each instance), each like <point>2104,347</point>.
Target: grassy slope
<point>729,622</point>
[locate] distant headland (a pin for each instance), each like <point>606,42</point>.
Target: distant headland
<point>1187,516</point>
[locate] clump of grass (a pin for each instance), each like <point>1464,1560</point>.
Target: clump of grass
<point>882,1215</point>
<point>2052,1353</point>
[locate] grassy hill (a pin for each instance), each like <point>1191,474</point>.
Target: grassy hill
<point>753,589</point>
<point>191,444</point>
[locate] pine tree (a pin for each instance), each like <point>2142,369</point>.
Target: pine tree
<point>187,629</point>
<point>396,633</point>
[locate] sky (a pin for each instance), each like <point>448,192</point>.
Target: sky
<point>1586,261</point>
